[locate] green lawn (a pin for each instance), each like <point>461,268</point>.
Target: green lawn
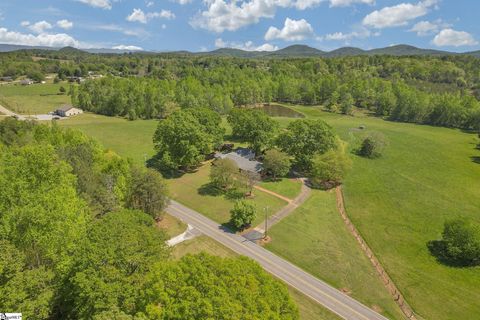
<point>400,202</point>
<point>33,99</point>
<point>131,139</point>
<point>289,188</point>
<point>309,309</point>
<point>315,238</point>
<point>192,190</point>
<point>172,226</point>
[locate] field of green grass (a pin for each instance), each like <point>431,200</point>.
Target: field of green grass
<point>131,139</point>
<point>314,237</point>
<point>194,191</point>
<point>309,310</point>
<point>33,99</point>
<point>286,187</point>
<point>399,202</point>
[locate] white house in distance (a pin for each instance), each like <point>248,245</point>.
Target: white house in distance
<point>26,82</point>
<point>68,111</point>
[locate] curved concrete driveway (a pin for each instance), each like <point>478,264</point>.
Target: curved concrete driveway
<point>331,298</point>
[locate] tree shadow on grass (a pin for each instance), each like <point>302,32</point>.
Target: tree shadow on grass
<point>209,189</point>
<point>476,159</point>
<point>438,249</point>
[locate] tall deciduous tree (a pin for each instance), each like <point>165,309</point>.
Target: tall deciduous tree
<point>253,126</point>
<point>276,163</point>
<point>208,287</point>
<point>223,173</point>
<point>181,141</point>
<point>304,138</point>
<point>147,191</point>
<point>328,169</point>
<point>242,214</point>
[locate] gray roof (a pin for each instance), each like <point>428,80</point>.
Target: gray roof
<point>244,158</point>
<point>66,107</point>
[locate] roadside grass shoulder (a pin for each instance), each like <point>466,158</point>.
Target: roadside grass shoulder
<point>172,226</point>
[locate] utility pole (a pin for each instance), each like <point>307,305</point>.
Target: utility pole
<point>266,222</point>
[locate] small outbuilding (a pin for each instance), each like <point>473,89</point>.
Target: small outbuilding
<point>68,111</point>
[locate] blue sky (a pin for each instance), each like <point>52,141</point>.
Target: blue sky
<point>199,25</point>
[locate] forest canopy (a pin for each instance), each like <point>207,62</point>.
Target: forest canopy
<point>75,243</point>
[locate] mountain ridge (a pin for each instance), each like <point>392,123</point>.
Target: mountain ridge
<point>296,50</point>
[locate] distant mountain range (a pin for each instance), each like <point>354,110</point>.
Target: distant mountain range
<point>291,51</point>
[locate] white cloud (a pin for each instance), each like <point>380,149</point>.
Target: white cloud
<point>425,28</point>
<point>293,30</point>
<point>450,37</point>
<point>345,3</point>
<point>104,4</point>
<point>25,23</point>
<point>247,46</point>
<point>127,48</point>
<point>149,4</point>
<point>397,15</point>
<point>43,39</point>
<point>182,2</point>
<point>139,16</point>
<point>40,26</point>
<point>65,24</point>
<point>224,15</point>
<point>362,33</point>
<point>136,32</point>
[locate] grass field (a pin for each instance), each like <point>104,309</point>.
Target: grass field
<point>309,310</point>
<point>192,190</point>
<point>315,238</point>
<point>400,202</point>
<point>33,99</point>
<point>286,187</point>
<point>131,139</point>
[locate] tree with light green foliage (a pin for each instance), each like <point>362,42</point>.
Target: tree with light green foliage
<point>181,141</point>
<point>111,263</point>
<point>223,174</point>
<point>304,138</point>
<point>253,126</point>
<point>242,214</point>
<point>329,169</point>
<point>276,163</point>
<point>209,287</point>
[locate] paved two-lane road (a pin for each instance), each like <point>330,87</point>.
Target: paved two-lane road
<point>334,300</point>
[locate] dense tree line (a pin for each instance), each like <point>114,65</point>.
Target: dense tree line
<point>401,89</point>
<point>78,240</point>
<point>429,90</point>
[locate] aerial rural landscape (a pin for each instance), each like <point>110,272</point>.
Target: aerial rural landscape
<point>307,173</point>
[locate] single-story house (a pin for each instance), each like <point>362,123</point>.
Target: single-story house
<point>26,82</point>
<point>244,158</point>
<point>68,111</point>
<point>6,79</point>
